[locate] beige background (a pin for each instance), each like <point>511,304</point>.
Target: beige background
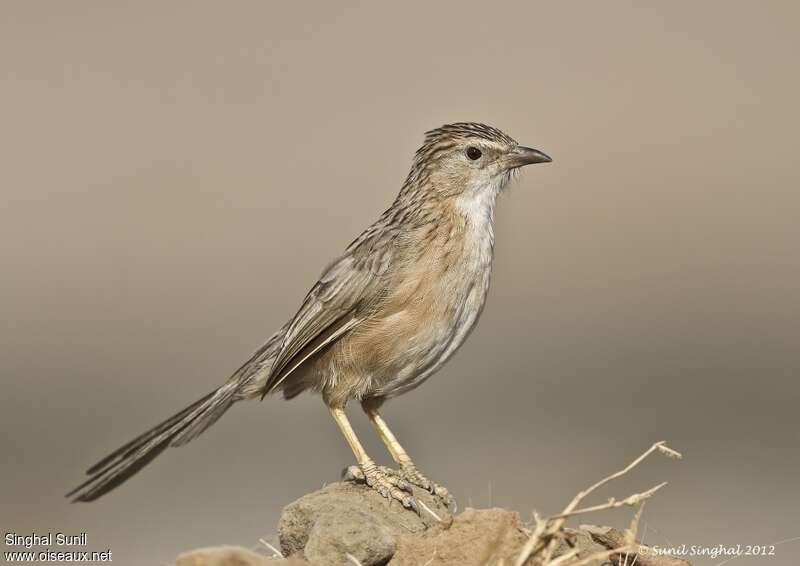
<point>175,175</point>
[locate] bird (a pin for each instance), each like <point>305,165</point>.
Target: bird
<point>382,318</point>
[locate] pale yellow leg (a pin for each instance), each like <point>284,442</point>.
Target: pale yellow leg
<point>388,486</point>
<point>399,455</point>
<point>409,470</point>
<point>350,436</point>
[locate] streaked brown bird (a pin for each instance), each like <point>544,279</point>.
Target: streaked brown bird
<point>382,318</point>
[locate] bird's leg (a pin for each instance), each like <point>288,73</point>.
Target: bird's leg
<point>389,486</point>
<point>408,470</point>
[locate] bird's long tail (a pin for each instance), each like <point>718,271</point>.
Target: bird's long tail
<point>245,383</point>
<point>177,430</point>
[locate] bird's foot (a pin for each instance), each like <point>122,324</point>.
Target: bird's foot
<point>411,475</point>
<point>385,481</point>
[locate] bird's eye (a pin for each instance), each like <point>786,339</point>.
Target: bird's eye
<point>473,152</point>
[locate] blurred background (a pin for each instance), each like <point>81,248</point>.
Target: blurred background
<point>175,176</point>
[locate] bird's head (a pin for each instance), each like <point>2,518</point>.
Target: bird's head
<point>469,159</point>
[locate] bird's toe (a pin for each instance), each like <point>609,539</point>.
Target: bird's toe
<point>414,477</point>
<point>395,478</point>
<point>353,474</point>
<point>388,484</point>
<point>410,502</point>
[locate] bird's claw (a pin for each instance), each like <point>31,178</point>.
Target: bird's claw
<point>404,478</point>
<point>383,480</point>
<point>396,479</point>
<point>413,476</point>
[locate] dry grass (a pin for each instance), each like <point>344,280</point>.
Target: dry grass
<point>549,532</point>
<point>275,552</point>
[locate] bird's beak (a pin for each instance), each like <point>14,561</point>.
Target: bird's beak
<point>521,155</point>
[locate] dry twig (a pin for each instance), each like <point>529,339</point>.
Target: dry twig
<point>275,552</point>
<point>612,503</point>
<point>547,532</point>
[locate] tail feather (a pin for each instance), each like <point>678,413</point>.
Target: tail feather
<point>245,383</point>
<point>129,448</point>
<point>209,413</point>
<point>124,462</point>
<point>113,476</point>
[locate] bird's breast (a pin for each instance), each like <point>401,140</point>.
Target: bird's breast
<point>432,305</point>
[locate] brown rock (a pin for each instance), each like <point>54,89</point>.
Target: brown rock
<point>332,520</point>
<point>335,535</point>
<point>644,556</point>
<point>346,524</point>
<point>476,536</point>
<point>223,556</point>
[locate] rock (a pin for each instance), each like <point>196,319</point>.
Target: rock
<point>345,524</point>
<point>341,516</point>
<point>645,556</point>
<point>346,518</point>
<point>585,544</point>
<point>335,535</point>
<point>223,556</point>
<point>476,536</point>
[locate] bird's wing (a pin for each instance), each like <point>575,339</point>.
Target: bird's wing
<point>341,299</point>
